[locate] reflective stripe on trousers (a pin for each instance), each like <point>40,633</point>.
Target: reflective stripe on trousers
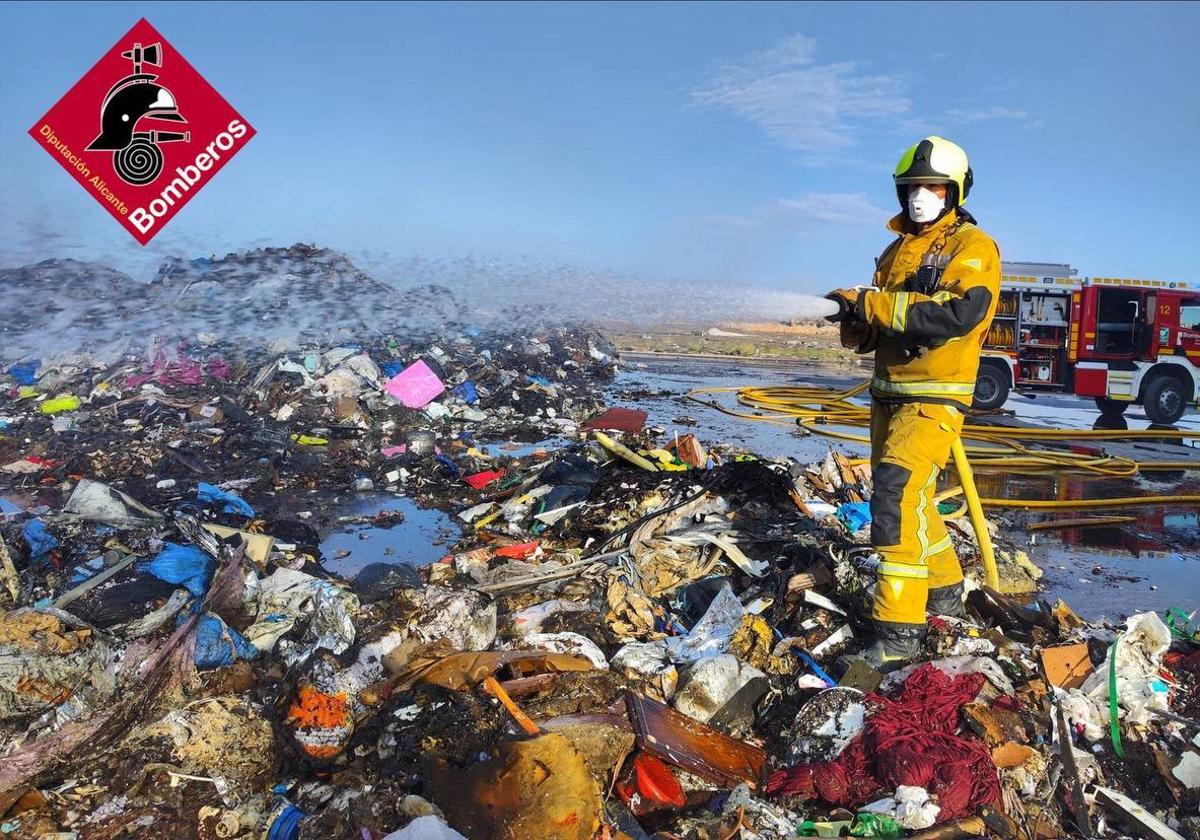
<point>910,445</point>
<point>964,391</point>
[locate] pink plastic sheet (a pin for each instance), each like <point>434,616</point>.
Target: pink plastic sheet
<point>416,386</point>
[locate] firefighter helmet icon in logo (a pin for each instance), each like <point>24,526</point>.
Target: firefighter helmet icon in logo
<point>136,156</point>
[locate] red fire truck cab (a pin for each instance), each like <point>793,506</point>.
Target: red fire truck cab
<point>1117,340</point>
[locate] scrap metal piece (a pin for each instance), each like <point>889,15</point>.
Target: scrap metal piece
<point>1137,816</point>
<point>1083,819</point>
<point>694,746</point>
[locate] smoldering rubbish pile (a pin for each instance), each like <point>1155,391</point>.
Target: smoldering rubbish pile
<point>632,632</point>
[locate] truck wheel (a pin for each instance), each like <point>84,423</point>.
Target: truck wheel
<point>991,388</point>
<point>1164,400</point>
<point>1111,408</point>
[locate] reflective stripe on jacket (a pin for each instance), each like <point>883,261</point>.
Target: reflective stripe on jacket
<point>927,346</point>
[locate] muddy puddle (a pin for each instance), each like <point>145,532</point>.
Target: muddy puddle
<point>384,528</point>
<point>1151,561</point>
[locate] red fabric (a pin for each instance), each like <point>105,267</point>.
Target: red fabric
<point>911,740</point>
<point>630,420</point>
<point>480,480</point>
<point>845,782</point>
<point>1007,702</point>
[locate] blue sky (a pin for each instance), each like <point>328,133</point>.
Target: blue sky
<point>751,144</point>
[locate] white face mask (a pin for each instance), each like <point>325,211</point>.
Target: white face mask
<point>924,205</point>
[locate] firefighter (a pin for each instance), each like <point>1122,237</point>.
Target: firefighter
<point>925,316</point>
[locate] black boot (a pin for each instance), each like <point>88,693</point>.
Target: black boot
<point>894,647</point>
<point>947,601</point>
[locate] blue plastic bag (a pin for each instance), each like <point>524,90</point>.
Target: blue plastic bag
<point>218,644</point>
<point>450,466</point>
<point>185,565</point>
<point>466,392</point>
<point>233,504</point>
<point>391,368</point>
<point>25,372</point>
<point>854,515</point>
<point>40,541</point>
<point>85,570</point>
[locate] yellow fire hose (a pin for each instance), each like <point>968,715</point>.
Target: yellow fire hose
<point>978,522</point>
<point>821,410</point>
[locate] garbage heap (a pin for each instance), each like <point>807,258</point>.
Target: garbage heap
<point>637,633</point>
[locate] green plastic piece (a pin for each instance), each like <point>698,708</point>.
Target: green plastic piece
<point>1114,726</point>
<point>876,825</point>
<point>1181,625</point>
<point>57,405</point>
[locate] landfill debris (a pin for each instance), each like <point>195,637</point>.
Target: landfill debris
<point>357,576</point>
<point>535,788</point>
<point>416,386</point>
<point>699,749</point>
<point>1067,666</point>
<point>1187,771</point>
<point>47,660</point>
<point>910,806</point>
<point>630,420</point>
<point>428,827</point>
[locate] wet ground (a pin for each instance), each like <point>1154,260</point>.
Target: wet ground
<point>1152,562</point>
<point>385,528</point>
<point>381,527</point>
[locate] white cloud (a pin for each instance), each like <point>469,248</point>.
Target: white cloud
<point>821,110</point>
<point>810,211</point>
<point>953,118</point>
<point>961,116</point>
<point>802,104</point>
<point>835,208</point>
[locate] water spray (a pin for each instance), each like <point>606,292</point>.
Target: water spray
<point>813,308</point>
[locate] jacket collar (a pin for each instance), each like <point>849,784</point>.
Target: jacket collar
<point>901,225</point>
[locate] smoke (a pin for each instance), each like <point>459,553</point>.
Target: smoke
<point>532,291</point>
<point>299,294</point>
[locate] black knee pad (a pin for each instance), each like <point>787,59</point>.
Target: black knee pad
<point>890,481</point>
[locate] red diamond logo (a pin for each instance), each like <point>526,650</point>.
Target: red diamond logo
<point>142,131</point>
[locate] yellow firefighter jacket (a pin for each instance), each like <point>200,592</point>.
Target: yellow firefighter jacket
<point>927,343</point>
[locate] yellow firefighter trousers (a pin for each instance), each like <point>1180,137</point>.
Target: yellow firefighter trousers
<point>910,445</point>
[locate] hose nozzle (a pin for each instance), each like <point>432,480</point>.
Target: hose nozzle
<point>838,310</point>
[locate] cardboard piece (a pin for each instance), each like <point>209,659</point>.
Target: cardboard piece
<point>690,451</point>
<point>996,726</point>
<point>1012,754</point>
<point>258,546</point>
<point>1067,666</point>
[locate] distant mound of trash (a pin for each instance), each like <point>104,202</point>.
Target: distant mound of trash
<point>296,295</point>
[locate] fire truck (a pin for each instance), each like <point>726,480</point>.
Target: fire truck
<point>1117,340</point>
